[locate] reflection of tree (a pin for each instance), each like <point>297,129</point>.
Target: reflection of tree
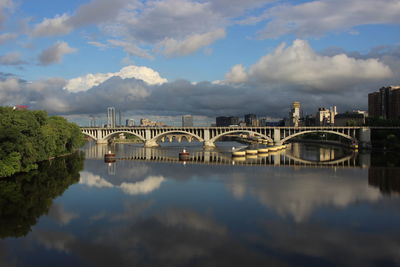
<point>386,179</point>
<point>25,197</point>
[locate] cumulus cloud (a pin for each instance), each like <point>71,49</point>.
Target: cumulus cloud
<point>287,74</point>
<point>192,43</point>
<point>131,48</point>
<point>4,5</point>
<point>59,214</point>
<point>55,53</point>
<point>12,58</point>
<point>299,64</point>
<point>237,74</point>
<point>52,27</point>
<point>7,37</point>
<point>88,81</point>
<point>317,18</point>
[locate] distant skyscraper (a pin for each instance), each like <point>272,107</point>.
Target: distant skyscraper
<point>111,117</point>
<point>250,119</point>
<point>187,121</point>
<point>227,121</point>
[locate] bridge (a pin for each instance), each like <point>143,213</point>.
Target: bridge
<point>151,136</point>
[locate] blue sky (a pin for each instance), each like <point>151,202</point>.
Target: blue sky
<point>231,56</point>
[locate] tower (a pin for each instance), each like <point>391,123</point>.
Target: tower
<point>111,117</point>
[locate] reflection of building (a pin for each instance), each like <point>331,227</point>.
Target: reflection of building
<point>111,117</point>
<point>325,117</point>
<point>326,154</point>
<point>187,121</point>
<point>149,123</point>
<point>354,118</point>
<point>386,179</point>
<point>226,121</point>
<point>130,122</point>
<point>385,103</point>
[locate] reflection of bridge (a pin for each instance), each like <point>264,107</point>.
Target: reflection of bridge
<point>218,158</point>
<point>209,135</point>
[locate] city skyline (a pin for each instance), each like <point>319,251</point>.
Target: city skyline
<point>206,58</point>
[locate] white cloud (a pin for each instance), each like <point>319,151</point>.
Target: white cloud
<point>317,18</point>
<point>146,186</point>
<point>237,74</point>
<point>59,214</point>
<point>4,4</point>
<point>55,53</point>
<point>88,81</point>
<point>192,43</point>
<point>52,27</point>
<point>299,64</point>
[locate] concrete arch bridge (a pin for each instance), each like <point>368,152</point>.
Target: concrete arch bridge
<point>151,136</point>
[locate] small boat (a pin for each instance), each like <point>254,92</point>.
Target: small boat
<point>109,157</point>
<point>184,155</point>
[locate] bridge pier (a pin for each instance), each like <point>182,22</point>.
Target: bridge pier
<point>151,143</point>
<point>209,144</point>
<point>277,137</point>
<point>101,141</point>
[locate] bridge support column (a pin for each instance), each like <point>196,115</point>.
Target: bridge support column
<point>365,137</point>
<point>277,137</point>
<point>101,141</point>
<point>151,143</point>
<point>207,142</point>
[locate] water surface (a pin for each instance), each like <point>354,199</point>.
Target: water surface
<point>306,206</point>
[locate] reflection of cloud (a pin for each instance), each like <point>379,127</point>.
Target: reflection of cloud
<point>58,213</point>
<point>54,240</point>
<point>190,219</point>
<point>300,196</point>
<point>150,184</point>
<point>146,186</point>
<point>92,180</point>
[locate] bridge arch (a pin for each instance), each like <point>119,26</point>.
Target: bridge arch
<point>108,136</point>
<point>318,131</point>
<point>159,136</point>
<point>215,138</point>
<point>328,162</point>
<point>89,135</point>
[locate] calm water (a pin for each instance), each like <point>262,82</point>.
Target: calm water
<point>309,205</point>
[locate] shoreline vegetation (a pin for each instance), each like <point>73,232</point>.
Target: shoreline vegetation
<point>29,137</point>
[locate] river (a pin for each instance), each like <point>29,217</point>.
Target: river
<point>309,205</point>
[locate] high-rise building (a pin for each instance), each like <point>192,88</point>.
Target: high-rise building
<point>227,121</point>
<point>111,117</point>
<point>250,119</point>
<point>385,103</point>
<point>187,121</point>
<point>294,115</point>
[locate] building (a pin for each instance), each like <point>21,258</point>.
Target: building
<point>295,115</point>
<point>354,118</point>
<point>149,123</point>
<point>250,119</point>
<point>325,117</point>
<point>111,117</point>
<point>226,121</point>
<point>187,121</point>
<point>130,123</point>
<point>385,103</point>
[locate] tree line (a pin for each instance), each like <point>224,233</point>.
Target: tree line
<point>28,137</point>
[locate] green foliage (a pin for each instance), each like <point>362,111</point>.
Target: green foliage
<point>26,196</point>
<point>28,137</point>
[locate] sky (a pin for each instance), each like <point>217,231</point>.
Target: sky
<point>166,58</point>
